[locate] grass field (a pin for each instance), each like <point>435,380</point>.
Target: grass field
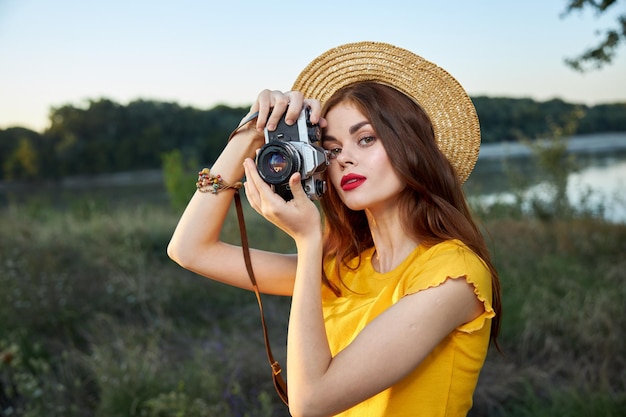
<point>97,321</point>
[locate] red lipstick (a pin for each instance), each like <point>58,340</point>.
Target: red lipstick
<point>351,181</point>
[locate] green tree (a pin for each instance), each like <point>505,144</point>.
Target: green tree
<point>25,154</point>
<point>603,53</point>
<point>178,176</point>
<point>22,163</point>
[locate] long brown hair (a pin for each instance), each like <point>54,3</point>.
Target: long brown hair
<point>433,205</point>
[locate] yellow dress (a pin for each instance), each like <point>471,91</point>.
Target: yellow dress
<point>443,384</point>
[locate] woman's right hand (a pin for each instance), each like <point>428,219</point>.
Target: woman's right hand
<point>272,104</point>
<point>196,243</point>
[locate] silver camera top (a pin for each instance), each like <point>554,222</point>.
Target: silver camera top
<point>289,149</point>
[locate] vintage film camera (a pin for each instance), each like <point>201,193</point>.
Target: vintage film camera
<point>291,149</point>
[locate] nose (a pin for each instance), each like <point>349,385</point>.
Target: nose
<point>345,158</point>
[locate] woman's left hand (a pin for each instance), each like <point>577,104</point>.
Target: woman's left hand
<point>298,217</point>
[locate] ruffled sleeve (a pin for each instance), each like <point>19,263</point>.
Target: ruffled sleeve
<point>452,260</point>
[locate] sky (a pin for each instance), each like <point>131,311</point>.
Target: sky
<point>202,53</point>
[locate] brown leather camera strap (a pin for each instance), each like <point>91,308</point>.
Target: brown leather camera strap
<point>279,382</point>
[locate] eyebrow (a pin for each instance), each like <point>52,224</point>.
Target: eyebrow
<point>353,129</point>
<point>356,127</point>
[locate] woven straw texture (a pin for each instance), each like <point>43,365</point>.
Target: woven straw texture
<point>450,109</point>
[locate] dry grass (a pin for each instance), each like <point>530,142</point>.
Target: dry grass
<point>97,321</point>
<point>563,330</point>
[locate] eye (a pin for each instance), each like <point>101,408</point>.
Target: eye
<point>366,140</point>
<point>334,152</point>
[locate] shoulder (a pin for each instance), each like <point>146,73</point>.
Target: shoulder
<point>447,262</point>
<point>452,256</point>
<point>430,267</point>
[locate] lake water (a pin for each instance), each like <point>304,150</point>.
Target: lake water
<point>599,180</point>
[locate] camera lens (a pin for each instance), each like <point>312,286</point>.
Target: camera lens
<point>277,161</point>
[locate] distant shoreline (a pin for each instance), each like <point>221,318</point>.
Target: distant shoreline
<point>590,143</point>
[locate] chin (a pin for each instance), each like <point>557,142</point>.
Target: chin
<point>354,203</point>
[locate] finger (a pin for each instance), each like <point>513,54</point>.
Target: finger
<point>296,103</point>
<point>252,191</point>
<point>263,105</point>
<point>295,184</point>
<point>261,188</point>
<point>316,109</point>
<point>280,102</point>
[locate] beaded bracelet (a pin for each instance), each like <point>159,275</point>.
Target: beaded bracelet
<point>213,183</point>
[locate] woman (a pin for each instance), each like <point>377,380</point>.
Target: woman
<point>394,298</point>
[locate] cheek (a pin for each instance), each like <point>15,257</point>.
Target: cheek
<point>382,167</point>
<point>379,161</point>
<point>333,174</point>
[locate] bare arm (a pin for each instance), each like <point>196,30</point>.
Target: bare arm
<point>392,345</point>
<point>196,244</point>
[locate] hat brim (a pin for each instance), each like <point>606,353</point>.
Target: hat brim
<point>450,109</point>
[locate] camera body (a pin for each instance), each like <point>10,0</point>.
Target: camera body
<point>291,149</point>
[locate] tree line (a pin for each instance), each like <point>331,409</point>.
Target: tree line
<point>106,137</point>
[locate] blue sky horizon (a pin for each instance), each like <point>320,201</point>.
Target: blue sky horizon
<point>202,54</point>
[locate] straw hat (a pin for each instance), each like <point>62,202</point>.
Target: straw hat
<point>451,111</point>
